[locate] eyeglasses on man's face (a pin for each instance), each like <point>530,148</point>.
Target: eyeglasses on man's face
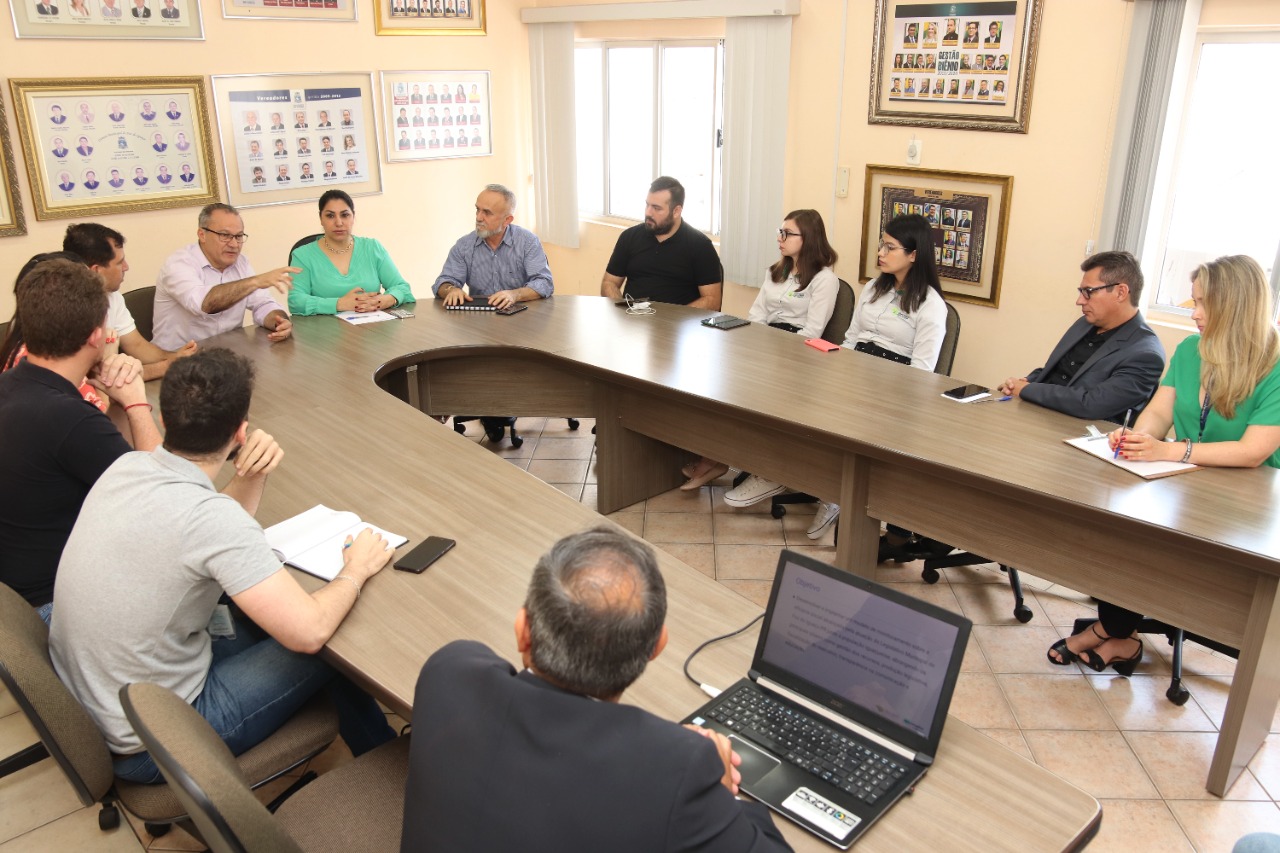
<point>226,236</point>
<point>1087,292</point>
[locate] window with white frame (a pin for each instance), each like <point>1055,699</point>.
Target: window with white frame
<point>646,109</point>
<point>1224,189</point>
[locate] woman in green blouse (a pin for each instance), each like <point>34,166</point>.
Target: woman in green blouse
<point>1221,399</point>
<point>343,272</point>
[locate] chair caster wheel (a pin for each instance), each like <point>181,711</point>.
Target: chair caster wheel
<point>1022,613</point>
<point>516,441</point>
<point>777,510</point>
<point>108,818</point>
<point>573,423</point>
<point>1177,694</point>
<point>931,576</point>
<point>460,429</point>
<point>157,829</point>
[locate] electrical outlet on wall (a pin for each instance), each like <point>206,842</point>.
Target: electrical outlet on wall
<point>842,182</point>
<point>914,149</point>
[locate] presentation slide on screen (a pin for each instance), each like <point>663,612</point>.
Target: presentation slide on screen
<point>878,654</point>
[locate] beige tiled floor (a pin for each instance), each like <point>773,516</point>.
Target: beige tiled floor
<point>1117,738</point>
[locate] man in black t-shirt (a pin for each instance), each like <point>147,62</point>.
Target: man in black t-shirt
<point>53,444</point>
<point>665,259</point>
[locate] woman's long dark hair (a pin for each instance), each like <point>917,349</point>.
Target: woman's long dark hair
<point>13,338</point>
<point>915,234</point>
<point>815,252</point>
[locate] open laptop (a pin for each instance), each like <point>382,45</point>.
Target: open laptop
<point>843,708</point>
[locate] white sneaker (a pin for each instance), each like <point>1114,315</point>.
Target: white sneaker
<point>827,513</point>
<point>753,490</point>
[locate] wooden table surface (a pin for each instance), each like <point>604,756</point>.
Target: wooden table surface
<point>351,445</point>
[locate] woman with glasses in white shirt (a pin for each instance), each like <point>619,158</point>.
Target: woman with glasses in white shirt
<point>900,316</point>
<point>798,295</point>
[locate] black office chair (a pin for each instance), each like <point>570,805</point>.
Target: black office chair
<point>305,241</point>
<point>142,305</point>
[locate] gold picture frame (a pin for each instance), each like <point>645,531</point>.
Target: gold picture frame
<point>966,66</point>
<point>12,222</point>
<point>429,17</point>
<point>969,212</point>
<point>423,124</point>
<point>287,138</point>
<point>115,145</point>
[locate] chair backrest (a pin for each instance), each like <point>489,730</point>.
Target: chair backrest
<point>950,340</point>
<point>65,728</point>
<point>310,238</point>
<point>142,305</point>
<point>203,773</point>
<point>838,325</point>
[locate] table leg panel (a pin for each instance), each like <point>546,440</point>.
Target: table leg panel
<point>1255,690</point>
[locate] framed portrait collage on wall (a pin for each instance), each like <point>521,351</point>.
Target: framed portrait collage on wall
<point>100,146</point>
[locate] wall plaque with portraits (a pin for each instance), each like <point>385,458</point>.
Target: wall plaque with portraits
<point>429,17</point>
<point>291,10</point>
<point>431,115</point>
<point>115,145</point>
<point>289,137</point>
<point>969,215</point>
<point>961,65</point>
<point>12,222</point>
<point>107,19</point>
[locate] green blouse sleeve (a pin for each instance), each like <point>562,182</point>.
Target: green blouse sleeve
<point>389,277</point>
<point>309,259</point>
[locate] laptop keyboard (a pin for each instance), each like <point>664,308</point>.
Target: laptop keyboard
<point>813,746</point>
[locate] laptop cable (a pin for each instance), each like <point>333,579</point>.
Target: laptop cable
<point>707,688</point>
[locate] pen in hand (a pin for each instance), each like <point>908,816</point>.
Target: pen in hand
<point>1123,429</point>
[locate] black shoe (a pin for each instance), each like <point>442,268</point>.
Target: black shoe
<point>888,551</point>
<point>924,548</point>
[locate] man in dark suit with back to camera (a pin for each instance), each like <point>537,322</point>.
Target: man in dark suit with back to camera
<point>1109,361</point>
<point>664,259</point>
<point>548,759</point>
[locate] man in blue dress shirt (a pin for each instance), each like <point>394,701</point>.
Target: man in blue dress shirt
<point>499,262</point>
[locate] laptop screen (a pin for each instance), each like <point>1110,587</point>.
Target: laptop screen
<point>881,654</point>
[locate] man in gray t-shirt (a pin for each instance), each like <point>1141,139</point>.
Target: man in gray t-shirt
<point>176,545</point>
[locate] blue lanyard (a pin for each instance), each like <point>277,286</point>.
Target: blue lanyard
<point>1204,414</point>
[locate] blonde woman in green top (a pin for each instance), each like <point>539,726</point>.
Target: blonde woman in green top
<point>343,272</point>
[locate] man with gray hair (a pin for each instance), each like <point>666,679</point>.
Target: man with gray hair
<point>1109,361</point>
<point>204,288</point>
<point>499,261</point>
<point>548,759</point>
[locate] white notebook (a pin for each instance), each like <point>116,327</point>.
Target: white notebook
<point>312,541</point>
<point>1099,446</point>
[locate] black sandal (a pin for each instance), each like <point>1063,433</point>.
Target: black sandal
<point>1069,657</point>
<point>1123,666</point>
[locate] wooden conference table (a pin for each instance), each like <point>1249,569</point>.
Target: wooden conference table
<point>750,391</point>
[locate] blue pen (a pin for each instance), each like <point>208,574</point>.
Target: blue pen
<point>1123,429</point>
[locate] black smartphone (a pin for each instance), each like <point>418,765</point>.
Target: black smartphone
<point>424,554</point>
<point>965,393</point>
<point>511,309</point>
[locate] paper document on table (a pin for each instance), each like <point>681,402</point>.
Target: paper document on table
<point>357,318</point>
<point>1099,446</point>
<point>312,541</point>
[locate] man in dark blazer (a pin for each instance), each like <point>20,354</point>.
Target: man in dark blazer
<point>547,759</point>
<point>1109,361</point>
<point>46,9</point>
